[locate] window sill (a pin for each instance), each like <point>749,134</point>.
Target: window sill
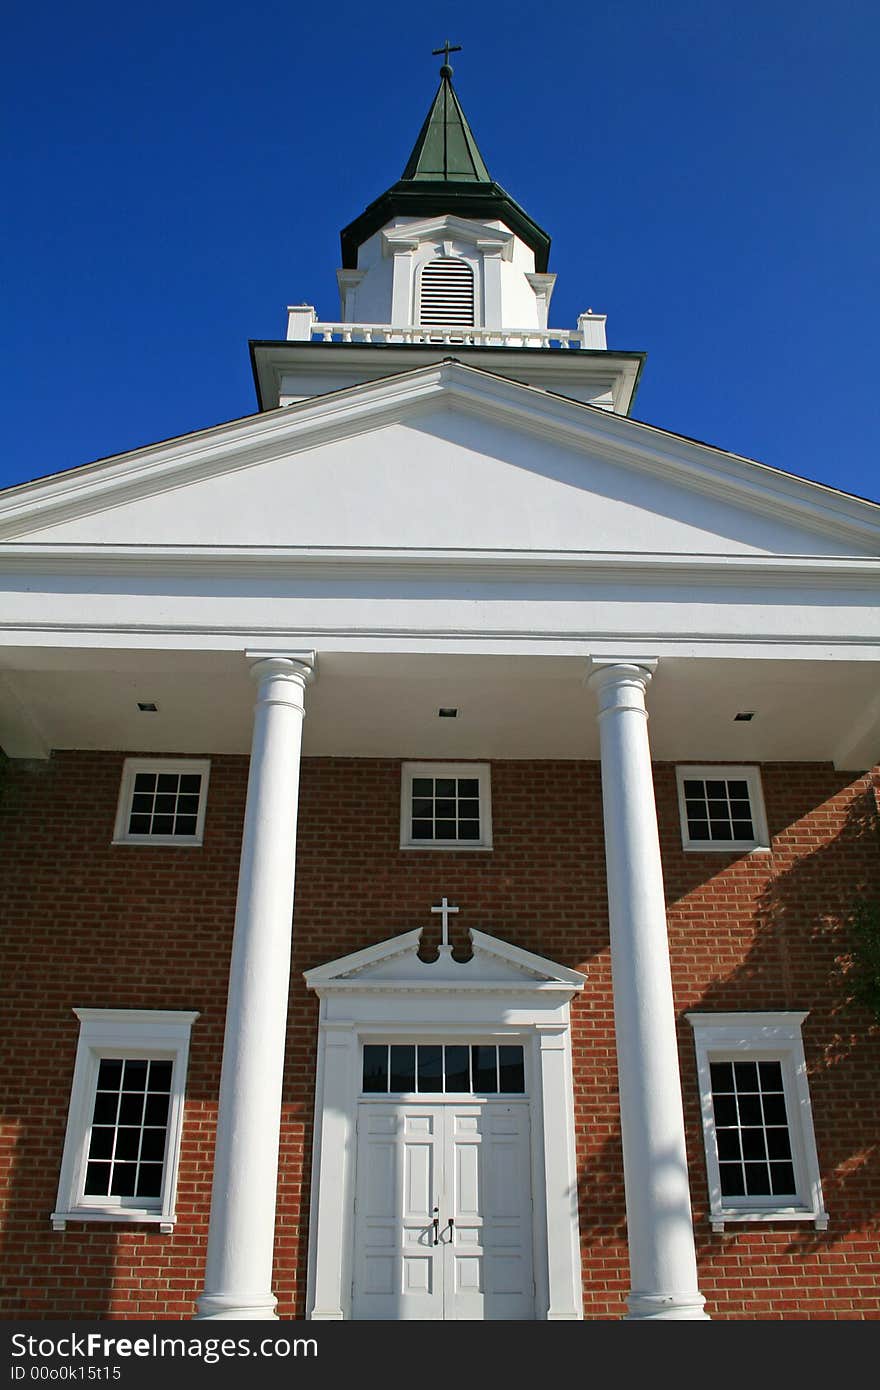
<point>819,1219</point>
<point>130,1215</point>
<point>447,848</point>
<point>728,847</point>
<point>160,842</point>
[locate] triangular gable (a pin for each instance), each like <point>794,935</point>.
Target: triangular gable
<point>444,457</point>
<point>395,964</point>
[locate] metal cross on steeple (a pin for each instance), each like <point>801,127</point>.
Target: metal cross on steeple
<point>444,909</point>
<point>446,70</point>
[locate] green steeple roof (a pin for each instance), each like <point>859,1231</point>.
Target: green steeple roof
<point>446,150</point>
<point>445,174</point>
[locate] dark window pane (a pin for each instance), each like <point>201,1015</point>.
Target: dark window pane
<point>403,1068</point>
<point>468,786</point>
<point>728,1144</point>
<point>163,825</point>
<point>423,786</point>
<point>484,1060</point>
<point>101,1145</point>
<point>740,808</point>
<point>142,805</point>
<point>511,1069</point>
<point>191,782</point>
<point>783,1179</point>
<point>446,829</point>
<point>167,782</point>
<point>743,830</point>
<point>145,782</point>
<point>445,809</point>
<point>778,1143</point>
<point>722,1076</point>
<point>753,1143</point>
<point>184,825</point>
<point>139,825</point>
<point>109,1074</point>
<point>375,1067</point>
<point>746,1074</point>
<point>469,830</point>
<point>128,1143</point>
<point>97,1180</point>
<point>156,1110</point>
<point>750,1110</point>
<point>122,1183</point>
<point>153,1146</point>
<point>738,789</point>
<point>757,1179</point>
<point>187,805</point>
<point>444,786</point>
<point>720,829</point>
<point>774,1110</point>
<point>430,1067</point>
<point>458,1075</point>
<point>469,807</point>
<point>693,788</point>
<point>135,1075</point>
<point>106,1105</point>
<point>149,1182</point>
<point>717,790</point>
<point>131,1108</point>
<point>717,809</point>
<point>160,1076</point>
<point>167,805</point>
<point>423,830</point>
<point>771,1075</point>
<point>732,1184</point>
<point>422,807</point>
<point>725,1110</point>
<point>699,829</point>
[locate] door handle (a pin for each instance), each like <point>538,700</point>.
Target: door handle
<point>450,1229</point>
<point>436,1224</point>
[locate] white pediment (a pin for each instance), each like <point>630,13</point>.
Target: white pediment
<point>449,458</point>
<point>395,964</point>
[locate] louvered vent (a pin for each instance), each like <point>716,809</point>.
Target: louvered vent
<point>447,293</point>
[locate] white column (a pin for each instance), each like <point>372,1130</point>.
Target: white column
<point>238,1277</point>
<point>663,1268</point>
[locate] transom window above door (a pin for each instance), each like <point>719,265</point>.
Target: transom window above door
<point>445,806</point>
<point>484,1069</point>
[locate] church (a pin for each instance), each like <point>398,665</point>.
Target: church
<point>433,815</point>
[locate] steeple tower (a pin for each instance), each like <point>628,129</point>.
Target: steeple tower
<point>444,261</point>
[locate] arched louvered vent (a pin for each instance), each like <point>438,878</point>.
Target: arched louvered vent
<point>447,293</point>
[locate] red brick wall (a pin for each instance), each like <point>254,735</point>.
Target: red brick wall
<point>90,924</point>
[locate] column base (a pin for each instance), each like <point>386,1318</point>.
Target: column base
<point>663,1307</point>
<point>243,1307</point>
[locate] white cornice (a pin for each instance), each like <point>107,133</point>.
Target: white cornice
<point>356,409</point>
<point>408,235</point>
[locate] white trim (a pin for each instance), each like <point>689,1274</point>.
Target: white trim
<point>143,1033</point>
<point>509,1002</point>
<point>479,771</point>
<point>185,766</point>
<point>751,775</point>
<point>761,1036</point>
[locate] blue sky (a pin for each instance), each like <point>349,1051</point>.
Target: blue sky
<point>176,174</point>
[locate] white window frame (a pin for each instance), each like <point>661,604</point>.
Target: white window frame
<point>739,772</point>
<point>131,768</point>
<point>723,1037</point>
<point>161,1034</point>
<point>479,771</point>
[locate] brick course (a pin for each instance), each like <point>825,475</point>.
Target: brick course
<point>86,923</point>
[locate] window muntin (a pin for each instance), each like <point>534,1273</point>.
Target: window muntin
<point>721,808</point>
<point>162,802</point>
<point>761,1159</point>
<point>486,1069</point>
<point>445,806</point>
<point>125,1119</point>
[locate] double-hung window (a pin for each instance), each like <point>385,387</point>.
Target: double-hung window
<point>126,1114</point>
<point>760,1150</point>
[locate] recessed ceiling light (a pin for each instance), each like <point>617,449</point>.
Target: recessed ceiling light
<point>447,713</point>
<point>147,707</point>
<point>744,716</point>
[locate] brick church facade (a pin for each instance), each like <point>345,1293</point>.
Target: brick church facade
<point>638,1082</point>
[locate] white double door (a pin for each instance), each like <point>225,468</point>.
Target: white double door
<point>443,1211</point>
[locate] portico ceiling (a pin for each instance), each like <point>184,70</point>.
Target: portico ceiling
<point>367,704</point>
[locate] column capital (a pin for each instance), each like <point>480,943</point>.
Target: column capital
<point>611,676</point>
<point>300,665</point>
